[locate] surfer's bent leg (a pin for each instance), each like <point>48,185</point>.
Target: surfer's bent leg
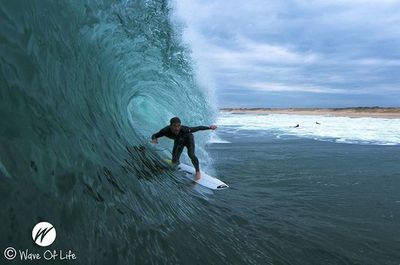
<point>190,150</point>
<point>177,151</point>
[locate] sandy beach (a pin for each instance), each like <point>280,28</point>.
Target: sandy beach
<point>375,112</point>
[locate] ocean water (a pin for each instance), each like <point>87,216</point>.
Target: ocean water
<point>83,85</point>
<point>306,196</point>
<point>375,131</point>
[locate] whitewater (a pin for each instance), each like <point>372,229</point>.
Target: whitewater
<point>349,130</point>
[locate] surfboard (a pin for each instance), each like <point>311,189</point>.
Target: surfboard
<point>205,179</point>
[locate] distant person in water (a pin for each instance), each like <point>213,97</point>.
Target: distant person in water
<point>317,123</point>
<point>182,136</point>
<point>297,126</point>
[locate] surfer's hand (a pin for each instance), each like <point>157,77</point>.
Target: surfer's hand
<point>213,127</point>
<point>154,141</point>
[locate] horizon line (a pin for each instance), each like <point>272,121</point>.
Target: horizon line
<point>358,107</point>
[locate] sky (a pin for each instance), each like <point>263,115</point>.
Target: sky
<point>295,53</point>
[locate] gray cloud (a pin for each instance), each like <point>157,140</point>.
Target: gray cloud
<point>341,48</point>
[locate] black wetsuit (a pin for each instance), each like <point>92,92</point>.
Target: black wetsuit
<point>184,138</point>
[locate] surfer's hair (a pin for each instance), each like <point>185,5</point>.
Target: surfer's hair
<point>175,120</point>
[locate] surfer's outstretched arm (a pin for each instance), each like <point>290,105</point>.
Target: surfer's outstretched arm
<point>202,128</point>
<point>161,133</point>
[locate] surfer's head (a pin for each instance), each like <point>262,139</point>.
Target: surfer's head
<point>175,125</point>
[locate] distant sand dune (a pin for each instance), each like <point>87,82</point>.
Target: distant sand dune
<point>373,112</point>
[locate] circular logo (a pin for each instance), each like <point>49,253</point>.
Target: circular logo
<point>44,234</point>
<point>10,253</point>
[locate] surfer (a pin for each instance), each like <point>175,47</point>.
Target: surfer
<point>182,136</point>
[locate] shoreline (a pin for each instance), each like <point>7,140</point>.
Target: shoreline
<point>358,112</point>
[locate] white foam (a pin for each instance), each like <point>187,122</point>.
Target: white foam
<point>215,139</point>
<point>338,129</point>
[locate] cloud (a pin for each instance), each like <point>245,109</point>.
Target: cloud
<point>315,47</point>
<point>247,50</point>
<point>377,62</point>
<point>277,87</point>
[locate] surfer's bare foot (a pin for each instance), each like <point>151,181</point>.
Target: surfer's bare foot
<point>197,176</point>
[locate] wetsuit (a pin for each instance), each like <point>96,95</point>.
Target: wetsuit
<point>184,138</point>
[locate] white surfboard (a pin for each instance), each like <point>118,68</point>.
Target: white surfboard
<point>205,179</point>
